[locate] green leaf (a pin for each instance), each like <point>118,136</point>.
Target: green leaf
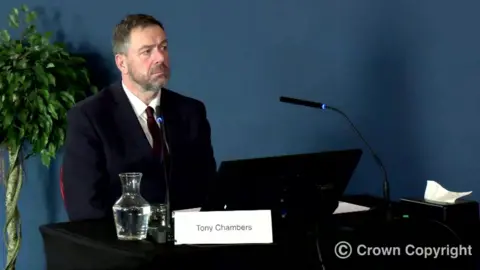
<point>21,132</point>
<point>52,111</point>
<point>41,75</point>
<point>48,34</point>
<point>67,98</point>
<point>52,148</point>
<point>45,94</point>
<point>22,116</point>
<point>22,64</point>
<point>61,136</point>
<point>85,74</point>
<point>51,79</point>
<point>60,44</point>
<point>7,120</point>
<point>31,16</point>
<point>13,20</point>
<point>41,107</point>
<point>5,36</point>
<point>50,65</point>
<point>9,77</point>
<point>48,126</point>
<point>35,134</point>
<point>45,158</point>
<point>72,74</point>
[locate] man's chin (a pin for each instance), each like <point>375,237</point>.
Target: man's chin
<point>156,87</point>
<point>161,82</point>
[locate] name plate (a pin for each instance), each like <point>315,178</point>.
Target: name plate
<point>223,227</point>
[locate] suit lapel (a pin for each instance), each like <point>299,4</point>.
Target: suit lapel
<point>128,124</point>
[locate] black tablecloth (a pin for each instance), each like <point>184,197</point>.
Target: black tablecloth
<point>93,245</point>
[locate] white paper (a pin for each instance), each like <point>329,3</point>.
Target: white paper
<point>436,193</point>
<point>345,207</point>
<point>197,209</point>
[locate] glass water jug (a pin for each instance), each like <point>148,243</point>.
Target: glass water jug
<point>131,212</point>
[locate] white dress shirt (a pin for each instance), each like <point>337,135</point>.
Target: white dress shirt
<point>140,110</point>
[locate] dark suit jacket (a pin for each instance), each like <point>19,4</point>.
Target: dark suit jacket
<point>104,139</point>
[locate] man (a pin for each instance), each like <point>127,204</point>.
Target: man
<point>112,132</point>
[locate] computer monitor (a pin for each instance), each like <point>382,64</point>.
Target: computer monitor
<point>298,185</point>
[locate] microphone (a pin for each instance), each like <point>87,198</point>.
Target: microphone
<point>319,105</point>
<point>159,119</point>
<point>166,170</point>
<point>306,103</point>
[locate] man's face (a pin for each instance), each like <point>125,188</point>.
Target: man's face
<point>146,62</point>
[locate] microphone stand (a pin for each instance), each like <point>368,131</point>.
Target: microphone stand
<point>167,173</point>
<point>166,166</point>
<point>386,185</point>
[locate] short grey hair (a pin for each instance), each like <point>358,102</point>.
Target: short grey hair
<point>122,31</point>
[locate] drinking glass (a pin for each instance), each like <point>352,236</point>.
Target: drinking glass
<point>158,227</point>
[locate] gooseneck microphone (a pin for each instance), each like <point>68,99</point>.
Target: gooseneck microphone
<point>166,170</point>
<point>302,102</point>
<point>318,105</point>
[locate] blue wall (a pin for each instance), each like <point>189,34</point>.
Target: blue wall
<point>407,72</point>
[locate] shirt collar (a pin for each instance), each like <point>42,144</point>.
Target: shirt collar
<point>138,106</point>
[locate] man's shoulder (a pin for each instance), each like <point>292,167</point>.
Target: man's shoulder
<point>184,101</point>
<point>97,103</point>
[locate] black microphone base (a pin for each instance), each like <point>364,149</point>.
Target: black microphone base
<point>389,215</point>
<point>170,220</point>
<point>385,212</point>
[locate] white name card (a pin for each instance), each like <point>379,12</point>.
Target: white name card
<point>223,227</point>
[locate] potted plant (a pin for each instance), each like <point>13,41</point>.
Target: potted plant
<point>39,82</point>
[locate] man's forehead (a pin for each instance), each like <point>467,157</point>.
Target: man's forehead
<point>147,35</point>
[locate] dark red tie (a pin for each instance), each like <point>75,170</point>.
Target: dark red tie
<point>155,131</point>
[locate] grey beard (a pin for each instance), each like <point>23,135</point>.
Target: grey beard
<point>146,86</point>
<point>150,87</point>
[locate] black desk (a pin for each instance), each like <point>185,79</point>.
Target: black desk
<point>93,245</point>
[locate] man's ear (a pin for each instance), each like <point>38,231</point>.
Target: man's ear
<point>121,62</point>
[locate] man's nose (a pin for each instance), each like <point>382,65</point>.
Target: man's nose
<point>159,56</point>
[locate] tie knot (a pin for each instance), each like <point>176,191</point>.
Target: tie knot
<point>149,112</point>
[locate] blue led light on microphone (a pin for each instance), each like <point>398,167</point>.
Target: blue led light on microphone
<point>159,120</point>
